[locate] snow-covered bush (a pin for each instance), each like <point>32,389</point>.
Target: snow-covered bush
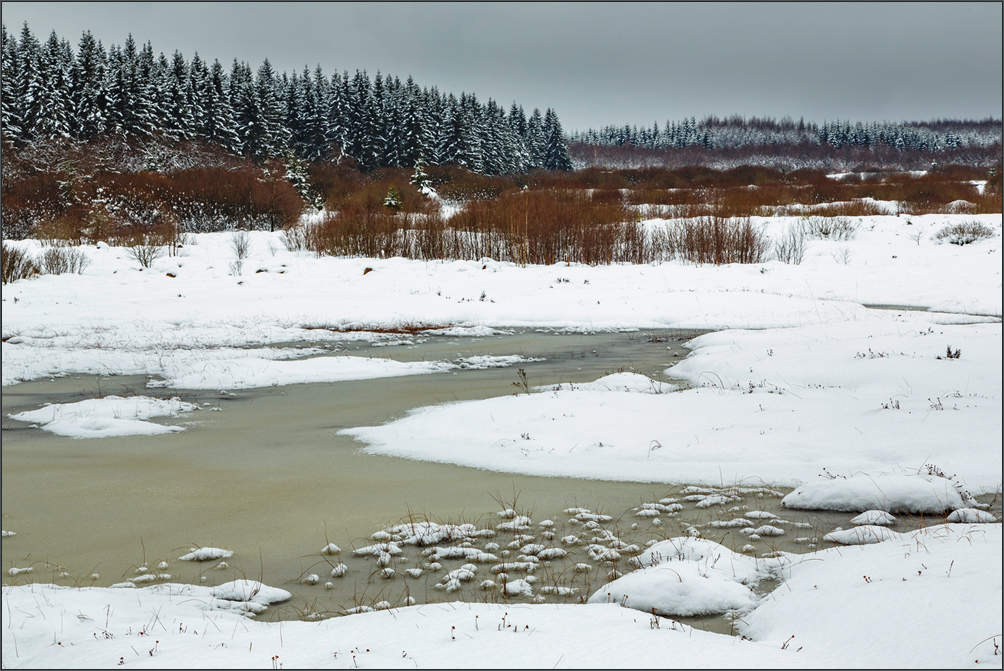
<point>830,228</point>
<point>964,233</point>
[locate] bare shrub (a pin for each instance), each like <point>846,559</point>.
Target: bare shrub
<point>851,208</point>
<point>294,237</point>
<point>964,233</point>
<point>145,246</point>
<point>17,264</point>
<point>830,228</point>
<point>240,242</point>
<point>719,240</point>
<point>790,246</point>
<point>63,260</point>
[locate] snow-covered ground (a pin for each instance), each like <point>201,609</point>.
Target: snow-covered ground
<point>930,599</point>
<point>804,386</point>
<point>189,310</point>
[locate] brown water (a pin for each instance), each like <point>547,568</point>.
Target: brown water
<point>268,477</point>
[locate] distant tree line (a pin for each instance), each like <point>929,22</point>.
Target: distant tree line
<point>51,92</point>
<point>736,131</point>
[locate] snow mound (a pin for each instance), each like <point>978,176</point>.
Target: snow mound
<point>626,382</point>
<point>517,588</point>
<point>971,516</point>
<point>250,595</point>
<point>684,577</point>
<point>681,590</point>
<point>891,492</point>
<point>107,417</point>
<point>879,517</point>
<point>862,535</point>
<point>206,554</point>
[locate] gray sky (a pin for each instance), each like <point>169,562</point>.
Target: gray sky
<point>600,63</point>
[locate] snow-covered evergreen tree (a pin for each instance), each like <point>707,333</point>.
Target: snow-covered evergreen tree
<point>88,93</point>
<point>536,141</point>
<point>555,149</point>
<point>220,124</point>
<point>10,107</point>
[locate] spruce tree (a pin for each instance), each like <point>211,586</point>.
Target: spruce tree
<point>555,150</point>
<point>29,87</point>
<point>536,141</point>
<point>180,121</point>
<point>10,108</point>
<point>89,100</point>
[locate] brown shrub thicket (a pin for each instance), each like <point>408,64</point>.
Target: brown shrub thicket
<point>713,239</point>
<point>54,206</point>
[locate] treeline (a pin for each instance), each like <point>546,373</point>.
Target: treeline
<point>786,143</point>
<point>736,131</point>
<point>51,92</point>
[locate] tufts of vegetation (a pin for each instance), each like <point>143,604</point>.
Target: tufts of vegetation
<point>63,260</point>
<point>17,264</point>
<point>830,228</point>
<point>964,233</point>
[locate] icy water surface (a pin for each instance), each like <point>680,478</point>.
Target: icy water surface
<point>268,478</point>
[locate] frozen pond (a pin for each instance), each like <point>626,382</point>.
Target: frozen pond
<point>267,477</point>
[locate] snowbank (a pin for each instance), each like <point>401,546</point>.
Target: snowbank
<point>107,417</point>
<point>782,404</point>
<point>893,492</point>
<point>107,319</point>
<point>683,577</point>
<point>887,604</point>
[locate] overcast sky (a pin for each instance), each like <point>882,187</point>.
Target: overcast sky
<point>600,63</point>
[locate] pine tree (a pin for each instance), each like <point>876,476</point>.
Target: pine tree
<point>536,141</point>
<point>450,148</point>
<point>419,178</point>
<point>10,109</point>
<point>89,100</point>
<point>413,147</point>
<point>472,129</point>
<point>198,80</point>
<point>555,149</point>
<point>335,132</point>
<point>220,125</point>
<point>180,121</point>
<point>29,88</point>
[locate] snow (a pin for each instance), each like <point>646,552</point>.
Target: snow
<point>684,577</point>
<point>249,590</point>
<point>249,373</point>
<point>878,605</point>
<point>893,492</point>
<point>856,408</point>
<point>879,517</point>
<point>107,417</point>
<point>971,516</point>
<point>175,626</point>
<point>850,397</point>
<point>889,602</point>
<point>206,554</point>
<point>861,535</point>
<point>116,319</point>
